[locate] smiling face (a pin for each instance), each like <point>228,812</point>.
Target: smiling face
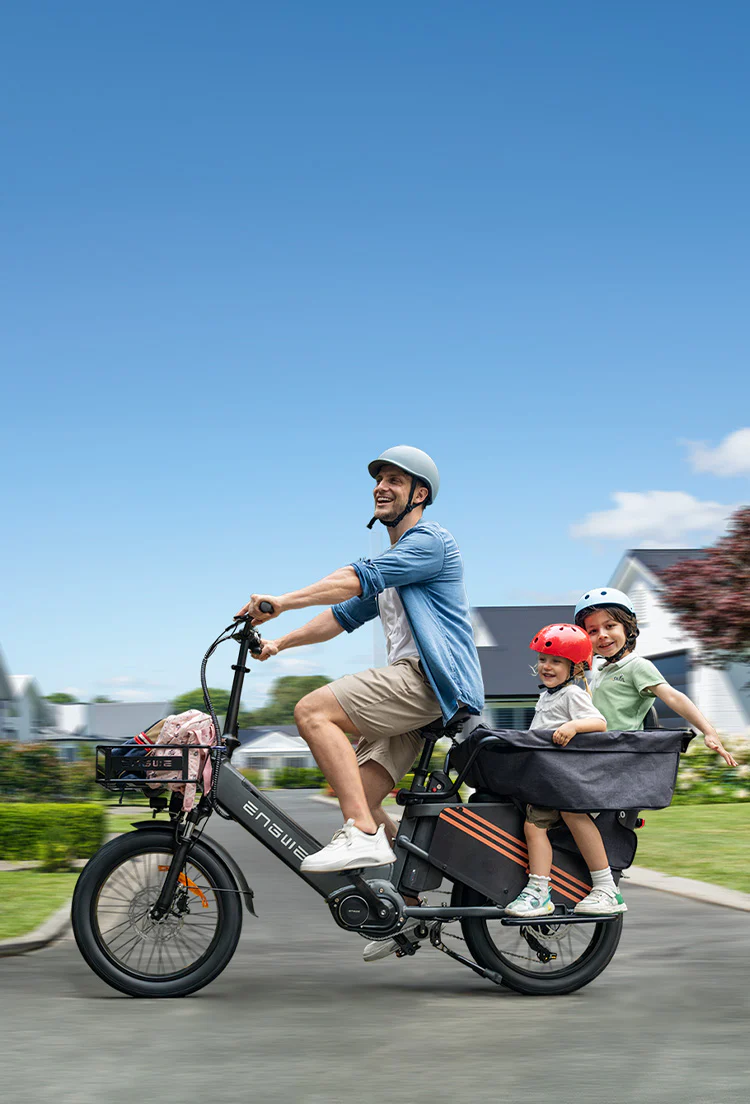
<point>391,493</point>
<point>553,670</point>
<point>606,633</point>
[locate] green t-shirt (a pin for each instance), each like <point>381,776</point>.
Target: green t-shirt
<point>621,692</point>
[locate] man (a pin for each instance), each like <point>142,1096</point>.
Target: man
<point>417,589</point>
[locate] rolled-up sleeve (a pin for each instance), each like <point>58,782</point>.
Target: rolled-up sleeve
<point>355,612</point>
<point>417,557</point>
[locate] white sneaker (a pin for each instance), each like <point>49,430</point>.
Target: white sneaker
<point>601,902</point>
<point>381,948</point>
<point>350,849</point>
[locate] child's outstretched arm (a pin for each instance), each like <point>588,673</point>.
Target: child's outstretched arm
<point>565,733</point>
<point>682,705</point>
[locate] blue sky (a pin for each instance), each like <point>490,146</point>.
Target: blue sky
<point>243,249</point>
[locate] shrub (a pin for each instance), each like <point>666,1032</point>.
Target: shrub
<point>46,831</point>
<point>253,776</point>
<point>705,779</point>
<point>298,778</point>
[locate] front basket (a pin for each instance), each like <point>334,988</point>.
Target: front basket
<point>135,769</point>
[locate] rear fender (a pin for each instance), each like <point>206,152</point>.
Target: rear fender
<point>220,852</point>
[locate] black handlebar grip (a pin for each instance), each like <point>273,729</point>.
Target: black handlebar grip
<point>265,607</point>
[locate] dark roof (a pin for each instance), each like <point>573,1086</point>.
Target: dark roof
<point>506,668</point>
<point>659,559</point>
<point>250,735</point>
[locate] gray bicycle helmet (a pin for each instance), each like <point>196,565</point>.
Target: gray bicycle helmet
<point>418,465</point>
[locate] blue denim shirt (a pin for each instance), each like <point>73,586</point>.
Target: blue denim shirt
<point>426,568</point>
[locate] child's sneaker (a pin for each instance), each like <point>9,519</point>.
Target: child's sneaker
<point>531,902</point>
<point>601,902</point>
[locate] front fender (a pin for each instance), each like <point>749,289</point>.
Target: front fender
<point>220,852</point>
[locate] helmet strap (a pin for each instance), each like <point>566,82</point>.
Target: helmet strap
<point>627,647</point>
<point>406,510</point>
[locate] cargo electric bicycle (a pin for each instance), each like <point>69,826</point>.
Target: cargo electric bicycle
<point>157,912</point>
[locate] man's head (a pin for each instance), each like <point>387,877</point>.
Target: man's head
<point>405,479</point>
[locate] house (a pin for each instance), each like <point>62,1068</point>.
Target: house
<point>33,714</point>
<point>503,633</point>
<point>723,696</point>
<point>7,705</point>
<point>268,748</point>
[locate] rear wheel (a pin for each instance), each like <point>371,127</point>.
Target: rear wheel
<point>548,960</point>
<point>171,957</point>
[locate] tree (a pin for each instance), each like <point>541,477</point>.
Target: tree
<point>193,699</point>
<point>285,693</point>
<point>61,698</point>
<point>711,596</point>
<point>102,699</point>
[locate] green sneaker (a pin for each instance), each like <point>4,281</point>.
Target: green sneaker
<point>530,902</point>
<point>601,902</point>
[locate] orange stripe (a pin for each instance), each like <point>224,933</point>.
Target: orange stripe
<point>562,887</point>
<point>574,882</point>
<point>491,828</point>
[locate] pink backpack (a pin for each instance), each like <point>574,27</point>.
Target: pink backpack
<point>177,730</point>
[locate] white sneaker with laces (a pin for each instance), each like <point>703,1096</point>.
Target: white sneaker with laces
<point>381,948</point>
<point>601,902</point>
<point>350,849</point>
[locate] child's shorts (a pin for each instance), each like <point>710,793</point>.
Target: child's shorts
<point>546,818</point>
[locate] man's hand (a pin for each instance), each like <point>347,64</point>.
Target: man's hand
<point>715,744</point>
<point>564,734</point>
<point>268,648</point>
<point>252,608</point>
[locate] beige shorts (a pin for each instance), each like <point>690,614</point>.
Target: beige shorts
<point>546,818</point>
<point>388,705</point>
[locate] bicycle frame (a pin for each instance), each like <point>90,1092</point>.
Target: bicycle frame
<point>249,807</point>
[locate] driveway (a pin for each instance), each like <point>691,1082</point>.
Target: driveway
<point>298,1017</point>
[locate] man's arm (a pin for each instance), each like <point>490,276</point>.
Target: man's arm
<point>336,587</point>
<point>323,627</point>
<point>683,706</point>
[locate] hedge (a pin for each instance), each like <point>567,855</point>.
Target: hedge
<point>705,779</point>
<point>298,778</point>
<point>27,831</point>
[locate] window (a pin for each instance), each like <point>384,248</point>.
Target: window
<point>675,667</point>
<point>517,714</point>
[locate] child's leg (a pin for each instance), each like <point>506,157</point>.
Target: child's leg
<point>605,898</point>
<point>534,898</point>
<point>540,849</point>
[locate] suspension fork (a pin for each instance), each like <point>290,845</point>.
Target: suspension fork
<point>164,900</point>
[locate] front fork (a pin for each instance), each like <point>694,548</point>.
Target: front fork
<point>164,900</point>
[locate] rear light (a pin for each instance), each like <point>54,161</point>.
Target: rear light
<point>640,822</point>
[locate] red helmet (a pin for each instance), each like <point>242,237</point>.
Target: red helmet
<point>568,641</point>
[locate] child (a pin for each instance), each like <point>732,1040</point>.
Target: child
<point>564,653</point>
<point>627,684</point>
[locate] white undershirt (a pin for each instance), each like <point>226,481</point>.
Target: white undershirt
<point>399,642</point>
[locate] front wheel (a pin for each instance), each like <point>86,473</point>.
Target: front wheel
<point>115,933</point>
<point>546,960</point>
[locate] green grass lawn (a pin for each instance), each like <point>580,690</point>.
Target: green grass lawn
<point>707,842</point>
<point>28,898</point>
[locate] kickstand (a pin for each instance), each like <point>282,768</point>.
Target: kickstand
<point>437,942</point>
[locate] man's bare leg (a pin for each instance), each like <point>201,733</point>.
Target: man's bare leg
<point>323,724</point>
<point>377,784</point>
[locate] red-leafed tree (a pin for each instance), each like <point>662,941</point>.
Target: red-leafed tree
<point>711,596</point>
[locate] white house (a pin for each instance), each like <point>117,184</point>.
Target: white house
<point>268,748</point>
<point>502,635</point>
<point>723,696</point>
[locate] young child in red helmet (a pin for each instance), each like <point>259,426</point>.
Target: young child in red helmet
<point>566,708</point>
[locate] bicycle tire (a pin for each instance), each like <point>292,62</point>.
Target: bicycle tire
<point>216,887</point>
<point>554,981</point>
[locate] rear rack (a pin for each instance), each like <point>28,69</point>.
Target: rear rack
<point>139,769</point>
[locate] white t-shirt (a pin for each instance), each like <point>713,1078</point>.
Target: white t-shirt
<point>399,642</point>
<point>570,703</point>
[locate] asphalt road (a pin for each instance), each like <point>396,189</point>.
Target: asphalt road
<point>299,1017</point>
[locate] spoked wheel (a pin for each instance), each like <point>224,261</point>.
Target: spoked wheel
<point>548,960</point>
<point>171,957</point>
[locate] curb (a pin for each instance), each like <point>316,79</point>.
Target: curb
<point>52,928</point>
<point>706,892</point>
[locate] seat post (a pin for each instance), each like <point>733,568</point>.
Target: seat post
<point>423,766</point>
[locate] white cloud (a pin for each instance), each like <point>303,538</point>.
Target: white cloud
<point>656,519</point>
<point>730,457</point>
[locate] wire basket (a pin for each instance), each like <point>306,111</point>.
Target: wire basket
<point>139,769</point>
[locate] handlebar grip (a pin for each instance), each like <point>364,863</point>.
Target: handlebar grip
<point>266,607</point>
